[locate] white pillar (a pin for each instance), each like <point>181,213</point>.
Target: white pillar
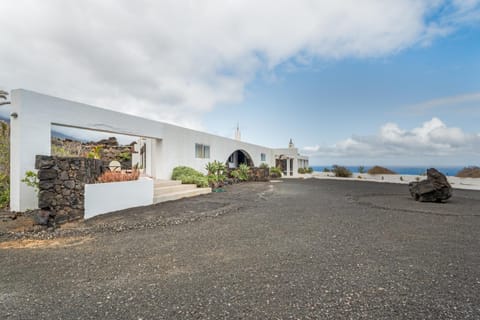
<point>295,166</point>
<point>288,167</point>
<point>29,136</point>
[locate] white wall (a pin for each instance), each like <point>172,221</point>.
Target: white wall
<point>107,197</point>
<point>170,145</point>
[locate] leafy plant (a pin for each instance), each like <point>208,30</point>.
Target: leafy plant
<point>216,173</point>
<point>235,174</point>
<point>326,170</point>
<point>31,180</point>
<point>243,171</point>
<point>189,176</point>
<point>124,156</point>
<point>95,153</point>
<point>361,169</point>
<point>263,166</point>
<point>275,172</point>
<point>4,190</point>
<point>309,170</point>
<point>301,170</point>
<point>341,172</point>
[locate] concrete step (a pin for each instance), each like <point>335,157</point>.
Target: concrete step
<point>159,190</point>
<point>165,183</point>
<point>181,194</point>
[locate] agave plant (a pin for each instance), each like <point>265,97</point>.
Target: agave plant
<point>243,171</point>
<point>216,174</point>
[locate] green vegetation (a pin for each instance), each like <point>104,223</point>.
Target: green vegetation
<point>4,164</point>
<point>326,170</point>
<point>61,152</point>
<point>95,153</point>
<point>361,169</point>
<point>275,172</point>
<point>216,174</point>
<point>31,180</point>
<point>469,172</point>
<point>243,172</point>
<point>341,172</point>
<point>305,170</point>
<point>264,166</point>
<point>189,176</point>
<point>124,156</point>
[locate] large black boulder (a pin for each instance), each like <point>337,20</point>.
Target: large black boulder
<point>435,189</point>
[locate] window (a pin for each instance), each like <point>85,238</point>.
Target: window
<point>202,151</point>
<point>263,157</point>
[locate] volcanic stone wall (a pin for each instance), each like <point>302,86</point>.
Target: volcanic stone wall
<point>62,184</point>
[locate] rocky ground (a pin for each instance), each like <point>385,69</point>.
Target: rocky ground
<point>297,249</point>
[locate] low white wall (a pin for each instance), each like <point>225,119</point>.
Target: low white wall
<point>107,197</point>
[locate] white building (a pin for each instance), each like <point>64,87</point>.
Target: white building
<point>163,146</point>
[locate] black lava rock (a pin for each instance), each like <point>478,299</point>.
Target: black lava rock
<point>435,189</point>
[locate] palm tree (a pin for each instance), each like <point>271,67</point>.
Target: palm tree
<point>4,96</point>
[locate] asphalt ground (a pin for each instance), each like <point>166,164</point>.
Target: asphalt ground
<point>297,249</point>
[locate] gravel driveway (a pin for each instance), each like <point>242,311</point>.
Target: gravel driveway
<point>297,249</point>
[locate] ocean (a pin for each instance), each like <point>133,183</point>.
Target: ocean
<point>448,171</point>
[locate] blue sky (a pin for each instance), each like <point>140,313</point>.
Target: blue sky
<point>351,82</point>
<point>332,100</point>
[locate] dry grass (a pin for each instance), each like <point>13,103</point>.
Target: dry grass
<point>43,244</point>
<point>380,170</point>
<point>469,172</point>
<point>118,176</point>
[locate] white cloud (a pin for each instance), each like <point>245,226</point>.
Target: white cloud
<point>451,101</point>
<point>312,148</point>
<point>432,139</point>
<point>174,60</point>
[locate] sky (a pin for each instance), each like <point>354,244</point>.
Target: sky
<point>351,82</point>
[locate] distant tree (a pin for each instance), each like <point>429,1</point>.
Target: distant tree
<point>4,96</point>
<point>361,169</point>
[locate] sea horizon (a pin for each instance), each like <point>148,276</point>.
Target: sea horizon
<point>407,170</point>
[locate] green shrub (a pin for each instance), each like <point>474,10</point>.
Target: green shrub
<point>326,170</point>
<point>301,170</point>
<point>275,172</point>
<point>243,171</point>
<point>361,169</point>
<point>309,170</point>
<point>124,156</point>
<point>341,172</point>
<point>235,174</point>
<point>189,176</point>
<point>216,174</point>
<point>4,191</point>
<point>264,166</point>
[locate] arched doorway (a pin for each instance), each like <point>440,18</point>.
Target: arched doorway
<point>238,157</point>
